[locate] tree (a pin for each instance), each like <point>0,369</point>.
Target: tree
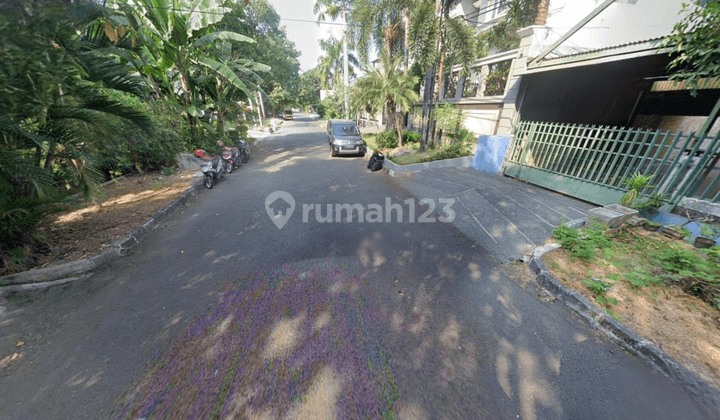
<point>334,9</point>
<point>173,34</point>
<point>376,23</point>
<point>309,88</point>
<point>695,42</point>
<point>260,21</point>
<point>331,64</point>
<point>435,38</point>
<point>58,83</point>
<point>386,86</point>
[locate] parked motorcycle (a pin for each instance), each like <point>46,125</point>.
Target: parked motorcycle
<point>230,156</point>
<point>243,148</point>
<point>213,168</point>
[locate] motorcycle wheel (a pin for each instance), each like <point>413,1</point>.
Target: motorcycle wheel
<point>245,156</point>
<point>209,181</point>
<point>229,166</point>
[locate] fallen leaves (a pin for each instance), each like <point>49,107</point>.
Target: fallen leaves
<point>5,361</point>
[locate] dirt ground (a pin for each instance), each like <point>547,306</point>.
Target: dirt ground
<point>79,232</point>
<point>680,324</point>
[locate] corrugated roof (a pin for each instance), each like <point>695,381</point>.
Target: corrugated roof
<point>619,49</point>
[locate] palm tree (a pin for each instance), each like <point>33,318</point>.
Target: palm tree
<point>386,86</point>
<point>377,22</point>
<point>432,31</point>
<point>330,65</point>
<point>60,82</point>
<point>334,9</point>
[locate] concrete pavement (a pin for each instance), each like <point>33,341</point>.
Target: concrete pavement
<point>462,341</point>
<point>507,218</point>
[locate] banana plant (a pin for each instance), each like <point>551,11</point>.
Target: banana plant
<point>173,34</point>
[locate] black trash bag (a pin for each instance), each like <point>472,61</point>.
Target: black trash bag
<point>376,161</point>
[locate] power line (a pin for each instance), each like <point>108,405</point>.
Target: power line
<point>314,21</point>
<point>207,12</point>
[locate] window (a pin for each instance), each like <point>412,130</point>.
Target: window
<point>346,130</point>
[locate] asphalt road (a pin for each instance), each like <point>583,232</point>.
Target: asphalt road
<point>462,340</point>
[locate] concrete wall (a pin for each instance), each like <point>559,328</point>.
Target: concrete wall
<point>623,22</point>
<point>480,121</point>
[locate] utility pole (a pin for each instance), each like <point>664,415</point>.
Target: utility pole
<point>346,78</point>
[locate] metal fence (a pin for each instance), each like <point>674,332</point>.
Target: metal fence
<point>592,162</point>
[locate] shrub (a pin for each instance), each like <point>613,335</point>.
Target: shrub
<point>321,110</point>
<point>410,137</point>
<point>464,136</point>
<point>582,244</point>
<point>387,139</point>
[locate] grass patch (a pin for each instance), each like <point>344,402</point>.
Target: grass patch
<point>18,297</point>
<point>643,261</point>
<point>445,152</point>
<point>369,141</point>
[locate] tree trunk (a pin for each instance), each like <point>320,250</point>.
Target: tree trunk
<point>427,95</point>
<point>406,21</point>
<point>441,67</point>
<point>220,125</point>
<point>398,123</point>
<point>50,155</point>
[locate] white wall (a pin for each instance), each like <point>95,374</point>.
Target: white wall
<point>623,22</point>
<point>480,122</point>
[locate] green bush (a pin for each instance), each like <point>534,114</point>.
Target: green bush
<point>411,137</point>
<point>387,139</point>
<point>126,148</point>
<point>464,136</point>
<point>321,110</point>
<point>582,244</point>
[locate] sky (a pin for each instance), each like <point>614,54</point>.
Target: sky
<point>306,34</point>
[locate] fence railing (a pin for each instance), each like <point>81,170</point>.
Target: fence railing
<point>592,162</point>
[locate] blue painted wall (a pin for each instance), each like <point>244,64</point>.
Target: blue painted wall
<point>490,153</point>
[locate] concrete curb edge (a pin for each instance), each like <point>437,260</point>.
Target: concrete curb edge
<point>707,397</point>
<point>391,167</point>
<point>69,271</point>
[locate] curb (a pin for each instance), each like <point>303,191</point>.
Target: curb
<point>70,271</point>
<point>707,397</point>
<point>390,167</point>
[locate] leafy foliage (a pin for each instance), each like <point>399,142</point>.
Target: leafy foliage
<point>449,118</point>
<point>635,185</point>
<point>386,86</point>
<point>387,139</point>
<point>694,41</point>
<point>647,262</point>
<point>582,244</point>
<point>497,79</point>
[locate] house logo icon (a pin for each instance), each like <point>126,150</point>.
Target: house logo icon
<point>279,206</point>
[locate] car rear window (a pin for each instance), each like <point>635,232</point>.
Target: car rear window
<point>346,130</point>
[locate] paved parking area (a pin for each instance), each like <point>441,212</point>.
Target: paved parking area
<point>508,218</point>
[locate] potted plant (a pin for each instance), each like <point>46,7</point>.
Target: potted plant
<point>649,205</point>
<point>637,183</point>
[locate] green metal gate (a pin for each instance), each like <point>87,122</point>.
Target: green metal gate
<point>592,162</point>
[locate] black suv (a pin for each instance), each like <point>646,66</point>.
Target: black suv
<point>344,138</point>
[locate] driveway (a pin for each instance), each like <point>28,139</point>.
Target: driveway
<point>507,218</point>
<point>222,314</point>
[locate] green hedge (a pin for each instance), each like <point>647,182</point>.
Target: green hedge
<point>387,139</point>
